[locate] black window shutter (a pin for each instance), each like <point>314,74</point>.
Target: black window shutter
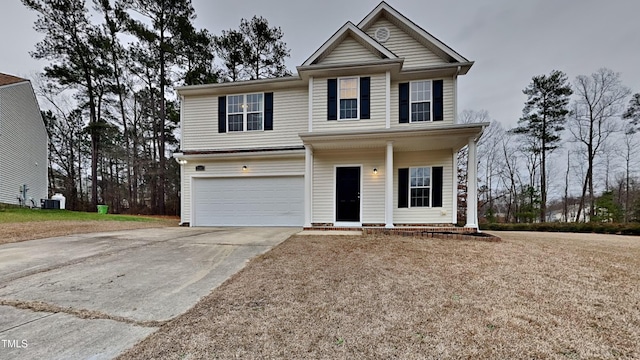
<point>222,114</point>
<point>403,188</point>
<point>404,102</point>
<point>332,99</point>
<point>268,111</point>
<point>365,98</point>
<point>438,105</point>
<point>436,191</point>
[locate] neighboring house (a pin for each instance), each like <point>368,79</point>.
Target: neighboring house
<point>364,135</point>
<point>23,144</point>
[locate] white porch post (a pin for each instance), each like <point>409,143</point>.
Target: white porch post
<point>472,186</point>
<point>388,186</point>
<point>308,175</point>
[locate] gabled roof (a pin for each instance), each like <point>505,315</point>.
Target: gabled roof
<point>349,29</point>
<point>421,35</point>
<point>6,79</point>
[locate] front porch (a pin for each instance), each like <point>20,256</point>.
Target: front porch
<point>386,194</point>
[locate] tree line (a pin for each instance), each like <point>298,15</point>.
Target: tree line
<point>572,157</point>
<point>110,107</point>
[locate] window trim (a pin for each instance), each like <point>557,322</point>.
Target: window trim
<point>357,78</point>
<point>411,101</point>
<point>409,202</point>
<point>245,112</point>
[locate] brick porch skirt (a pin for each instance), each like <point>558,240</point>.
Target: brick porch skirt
<point>440,231</point>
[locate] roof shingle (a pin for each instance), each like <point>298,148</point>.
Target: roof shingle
<point>6,79</point>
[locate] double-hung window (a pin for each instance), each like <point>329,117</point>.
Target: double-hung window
<point>420,186</point>
<point>421,101</point>
<point>245,112</point>
<point>348,95</point>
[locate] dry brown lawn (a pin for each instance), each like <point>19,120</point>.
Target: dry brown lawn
<point>533,296</point>
<point>22,231</point>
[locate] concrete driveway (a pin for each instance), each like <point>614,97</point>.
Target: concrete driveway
<point>91,296</point>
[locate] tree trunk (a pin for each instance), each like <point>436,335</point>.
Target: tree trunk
<point>161,147</point>
<point>543,176</point>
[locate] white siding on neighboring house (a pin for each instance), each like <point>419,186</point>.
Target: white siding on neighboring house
<point>349,51</point>
<point>233,168</point>
<point>23,144</point>
<point>424,214</point>
<point>378,109</point>
<point>200,123</point>
<point>448,103</point>
<point>405,46</point>
<point>372,194</point>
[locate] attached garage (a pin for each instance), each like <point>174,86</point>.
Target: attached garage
<point>248,201</point>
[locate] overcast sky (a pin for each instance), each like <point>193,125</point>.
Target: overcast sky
<point>510,41</point>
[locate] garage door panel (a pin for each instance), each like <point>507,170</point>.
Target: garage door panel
<point>251,201</point>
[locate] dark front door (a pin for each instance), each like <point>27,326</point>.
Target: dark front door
<point>348,194</point>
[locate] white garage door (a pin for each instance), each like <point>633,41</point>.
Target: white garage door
<point>250,201</point>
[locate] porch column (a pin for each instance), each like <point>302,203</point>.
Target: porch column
<point>388,186</point>
<point>472,186</point>
<point>308,175</point>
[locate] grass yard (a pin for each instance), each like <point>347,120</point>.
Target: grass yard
<point>16,215</point>
<point>533,295</point>
<point>20,224</point>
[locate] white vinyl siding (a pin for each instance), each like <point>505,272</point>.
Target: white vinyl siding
<point>447,107</point>
<point>200,123</point>
<point>404,46</point>
<point>424,215</point>
<point>23,145</point>
<point>349,51</point>
<point>377,120</point>
<point>293,166</point>
<point>372,194</point>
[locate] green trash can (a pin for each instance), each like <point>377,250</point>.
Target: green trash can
<point>103,209</point>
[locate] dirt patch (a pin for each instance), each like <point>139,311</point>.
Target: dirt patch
<point>15,232</point>
<point>533,295</point>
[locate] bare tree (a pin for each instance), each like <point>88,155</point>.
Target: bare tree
<point>469,117</point>
<point>599,101</point>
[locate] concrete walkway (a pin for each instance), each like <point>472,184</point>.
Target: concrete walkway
<point>92,296</point>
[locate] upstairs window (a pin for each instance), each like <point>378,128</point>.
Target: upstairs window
<point>421,101</point>
<point>245,112</point>
<point>255,108</point>
<point>348,93</point>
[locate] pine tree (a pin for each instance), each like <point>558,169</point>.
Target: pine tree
<point>266,51</point>
<point>171,25</point>
<point>633,111</point>
<point>543,119</point>
<point>232,48</point>
<point>70,43</point>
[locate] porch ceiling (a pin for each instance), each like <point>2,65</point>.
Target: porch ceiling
<point>434,138</point>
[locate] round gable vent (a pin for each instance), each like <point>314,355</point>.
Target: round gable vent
<point>382,34</point>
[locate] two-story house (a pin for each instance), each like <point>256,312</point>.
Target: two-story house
<point>364,135</point>
<point>23,144</point>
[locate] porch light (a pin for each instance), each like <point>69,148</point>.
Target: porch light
<point>375,170</point>
<point>244,168</point>
<point>181,161</point>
